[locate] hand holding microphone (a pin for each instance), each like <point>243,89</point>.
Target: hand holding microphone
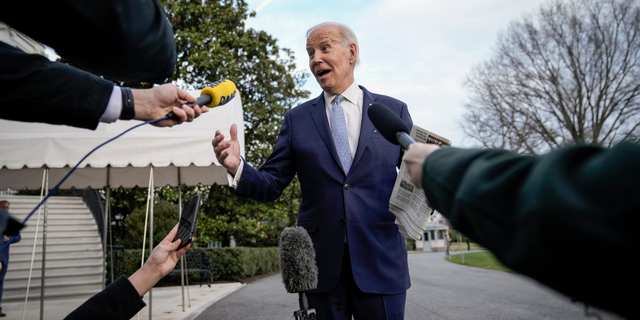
<point>414,157</point>
<point>169,100</point>
<point>156,102</point>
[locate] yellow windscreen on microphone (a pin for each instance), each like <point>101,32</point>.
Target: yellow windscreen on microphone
<point>221,92</point>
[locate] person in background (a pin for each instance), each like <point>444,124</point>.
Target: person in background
<point>4,255</point>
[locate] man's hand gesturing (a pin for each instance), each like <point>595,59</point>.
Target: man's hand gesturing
<point>228,151</point>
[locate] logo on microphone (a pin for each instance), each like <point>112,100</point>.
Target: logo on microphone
<point>225,99</point>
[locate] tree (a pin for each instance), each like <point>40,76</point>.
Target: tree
<point>567,74</point>
<point>212,44</point>
<point>165,216</point>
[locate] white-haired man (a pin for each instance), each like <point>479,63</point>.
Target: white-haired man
<point>346,171</point>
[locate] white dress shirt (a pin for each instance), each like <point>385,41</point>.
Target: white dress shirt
<point>114,106</point>
<point>352,106</point>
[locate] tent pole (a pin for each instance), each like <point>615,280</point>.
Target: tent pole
<point>152,191</point>
<point>109,220</point>
<point>146,220</point>
<point>35,241</point>
<point>187,274</point>
<point>110,232</point>
<point>104,228</point>
<point>44,244</point>
<point>180,217</point>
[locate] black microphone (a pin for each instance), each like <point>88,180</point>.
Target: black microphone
<point>298,268</point>
<point>390,125</point>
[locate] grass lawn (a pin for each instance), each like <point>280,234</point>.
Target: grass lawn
<point>484,260</point>
<point>463,246</point>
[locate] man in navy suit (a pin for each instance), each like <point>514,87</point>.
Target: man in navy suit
<point>4,255</point>
<point>347,172</point>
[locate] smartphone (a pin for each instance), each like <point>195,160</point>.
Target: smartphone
<point>188,221</point>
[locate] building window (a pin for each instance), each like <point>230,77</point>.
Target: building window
<point>426,236</point>
<point>433,235</point>
<point>440,234</point>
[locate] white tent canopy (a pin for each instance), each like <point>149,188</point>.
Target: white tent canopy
<point>26,148</point>
<point>146,156</point>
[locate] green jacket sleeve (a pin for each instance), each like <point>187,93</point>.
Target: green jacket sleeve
<point>568,219</point>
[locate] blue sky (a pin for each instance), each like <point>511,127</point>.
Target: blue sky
<point>418,51</point>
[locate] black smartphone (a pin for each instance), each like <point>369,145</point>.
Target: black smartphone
<point>188,221</point>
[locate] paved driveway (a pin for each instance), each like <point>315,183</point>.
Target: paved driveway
<point>444,290</point>
<point>440,290</point>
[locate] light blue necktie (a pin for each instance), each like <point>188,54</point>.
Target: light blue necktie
<point>339,133</point>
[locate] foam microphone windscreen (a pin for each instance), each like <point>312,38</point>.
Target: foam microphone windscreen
<point>387,122</point>
<point>297,260</point>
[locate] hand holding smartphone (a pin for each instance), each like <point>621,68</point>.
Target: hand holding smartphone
<point>188,221</point>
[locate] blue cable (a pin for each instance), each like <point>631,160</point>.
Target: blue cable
<point>6,244</point>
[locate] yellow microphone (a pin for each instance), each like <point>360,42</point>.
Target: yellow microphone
<point>219,93</point>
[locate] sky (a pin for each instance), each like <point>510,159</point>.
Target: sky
<point>417,51</point>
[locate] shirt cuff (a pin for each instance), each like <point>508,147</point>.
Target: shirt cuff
<point>114,106</point>
<point>233,181</point>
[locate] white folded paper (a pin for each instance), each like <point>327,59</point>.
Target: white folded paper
<point>408,202</point>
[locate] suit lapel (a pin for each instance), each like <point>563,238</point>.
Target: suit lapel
<point>366,128</point>
<point>319,115</point>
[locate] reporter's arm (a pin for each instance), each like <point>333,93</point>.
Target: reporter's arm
<point>157,102</point>
<point>40,90</point>
<point>547,216</point>
<point>120,300</point>
<point>162,260</point>
<point>130,40</point>
<point>35,89</point>
<point>123,298</point>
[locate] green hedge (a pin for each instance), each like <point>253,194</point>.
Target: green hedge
<point>230,264</point>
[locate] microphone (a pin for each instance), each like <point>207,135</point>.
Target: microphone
<point>219,93</point>
<point>390,125</point>
<point>297,260</point>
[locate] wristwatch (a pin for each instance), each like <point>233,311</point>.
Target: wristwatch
<point>128,110</point>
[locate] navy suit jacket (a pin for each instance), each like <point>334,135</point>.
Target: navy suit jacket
<point>335,204</point>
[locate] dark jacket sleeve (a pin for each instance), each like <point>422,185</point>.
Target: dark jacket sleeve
<point>119,300</point>
<point>35,89</point>
<point>567,219</point>
<point>128,40</point>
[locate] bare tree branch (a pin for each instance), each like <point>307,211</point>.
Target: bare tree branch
<point>567,74</point>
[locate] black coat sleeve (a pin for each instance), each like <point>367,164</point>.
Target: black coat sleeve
<point>34,89</point>
<point>568,219</point>
<point>130,40</point>
<point>119,300</point>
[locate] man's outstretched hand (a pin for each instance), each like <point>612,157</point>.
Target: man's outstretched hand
<point>228,151</point>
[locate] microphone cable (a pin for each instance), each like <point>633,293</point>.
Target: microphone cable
<point>6,244</point>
